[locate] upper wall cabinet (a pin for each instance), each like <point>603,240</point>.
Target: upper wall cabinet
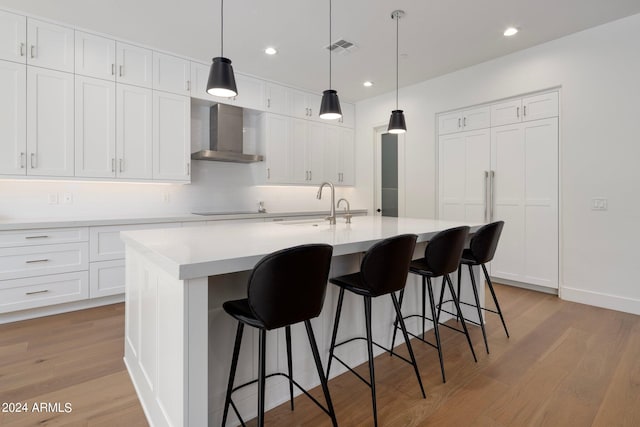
<point>348,118</point>
<point>524,109</point>
<point>13,37</point>
<point>276,98</point>
<point>50,45</point>
<point>304,105</point>
<point>171,74</point>
<point>13,119</point>
<point>199,78</point>
<point>470,119</point>
<point>250,92</point>
<point>95,56</point>
<point>134,65</point>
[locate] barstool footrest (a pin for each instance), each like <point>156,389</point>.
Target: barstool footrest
<point>393,353</point>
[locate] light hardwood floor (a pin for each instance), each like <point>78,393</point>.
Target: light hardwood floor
<point>565,364</point>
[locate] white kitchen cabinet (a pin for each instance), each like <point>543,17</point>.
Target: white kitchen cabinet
<point>464,120</point>
<point>171,137</point>
<point>134,132</point>
<point>171,74</point>
<point>348,118</point>
<point>13,37</point>
<point>464,165</point>
<point>276,98</point>
<point>524,194</point>
<point>50,130</point>
<point>135,65</point>
<point>106,278</point>
<point>27,261</point>
<point>43,236</point>
<point>95,123</point>
<point>525,109</point>
<point>13,118</point>
<point>105,243</point>
<point>250,92</point>
<point>50,45</point>
<point>307,141</point>
<point>277,152</point>
<point>95,56</point>
<point>339,156</point>
<point>304,105</point>
<point>199,79</point>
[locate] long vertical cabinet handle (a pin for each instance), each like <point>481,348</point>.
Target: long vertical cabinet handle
<point>23,160</point>
<point>120,71</point>
<point>113,69</point>
<point>113,164</point>
<point>486,196</point>
<point>518,112</point>
<point>524,111</point>
<point>492,176</point>
<point>268,102</point>
<point>33,48</point>
<point>22,46</point>
<point>268,173</point>
<point>34,163</point>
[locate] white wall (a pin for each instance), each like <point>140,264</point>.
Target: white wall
<point>598,71</point>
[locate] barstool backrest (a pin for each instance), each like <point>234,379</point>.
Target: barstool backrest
<point>288,286</point>
<point>385,265</point>
<point>485,241</point>
<point>444,250</point>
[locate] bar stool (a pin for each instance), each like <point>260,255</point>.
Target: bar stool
<point>383,270</point>
<point>481,250</point>
<point>284,288</point>
<point>441,257</point>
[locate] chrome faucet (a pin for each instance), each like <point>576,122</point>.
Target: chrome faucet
<point>332,212</point>
<point>347,210</point>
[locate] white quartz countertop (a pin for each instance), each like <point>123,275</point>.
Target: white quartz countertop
<point>34,223</point>
<point>188,253</point>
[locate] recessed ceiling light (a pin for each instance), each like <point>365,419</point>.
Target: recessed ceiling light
<point>511,31</point>
<point>367,84</point>
<point>270,51</point>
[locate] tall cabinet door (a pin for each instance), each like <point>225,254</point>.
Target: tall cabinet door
<point>277,159</point>
<point>50,133</point>
<point>171,136</point>
<point>13,118</point>
<point>299,151</point>
<point>525,196</point>
<point>134,139</point>
<point>13,37</point>
<point>95,146</point>
<point>50,45</point>
<point>315,155</point>
<point>464,162</point>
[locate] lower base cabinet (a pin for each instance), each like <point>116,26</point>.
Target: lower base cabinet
<point>41,291</point>
<point>106,278</point>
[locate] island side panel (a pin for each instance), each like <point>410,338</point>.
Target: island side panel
<point>166,343</point>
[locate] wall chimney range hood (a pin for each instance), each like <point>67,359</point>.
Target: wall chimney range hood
<point>225,137</point>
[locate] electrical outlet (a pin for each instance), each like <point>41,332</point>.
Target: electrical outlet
<point>67,198</point>
<point>599,204</point>
<point>53,199</point>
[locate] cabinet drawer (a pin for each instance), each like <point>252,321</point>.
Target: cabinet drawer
<point>43,236</point>
<point>105,243</point>
<point>106,278</point>
<point>22,294</point>
<point>41,260</point>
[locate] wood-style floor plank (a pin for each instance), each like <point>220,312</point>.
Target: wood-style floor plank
<point>565,364</point>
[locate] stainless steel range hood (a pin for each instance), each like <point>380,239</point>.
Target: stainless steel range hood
<point>225,139</point>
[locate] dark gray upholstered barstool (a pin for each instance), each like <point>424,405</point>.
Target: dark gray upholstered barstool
<point>441,257</point>
<point>285,287</point>
<point>481,250</point>
<point>383,271</point>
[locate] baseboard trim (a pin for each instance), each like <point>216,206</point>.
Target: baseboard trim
<point>529,286</point>
<point>33,313</point>
<point>599,299</point>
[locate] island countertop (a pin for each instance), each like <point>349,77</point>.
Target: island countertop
<point>188,253</point>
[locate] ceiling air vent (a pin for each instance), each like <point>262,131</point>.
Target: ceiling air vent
<point>341,46</point>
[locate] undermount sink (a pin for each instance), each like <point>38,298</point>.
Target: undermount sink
<point>315,222</point>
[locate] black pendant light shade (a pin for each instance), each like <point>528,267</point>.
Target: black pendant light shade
<point>330,105</point>
<point>396,122</point>
<point>221,79</point>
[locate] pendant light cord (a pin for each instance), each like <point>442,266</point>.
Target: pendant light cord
<point>222,28</point>
<point>330,47</point>
<point>397,55</point>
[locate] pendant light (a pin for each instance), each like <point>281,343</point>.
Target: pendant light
<point>330,105</point>
<point>221,80</point>
<point>397,123</point>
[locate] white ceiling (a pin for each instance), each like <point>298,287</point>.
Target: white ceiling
<point>436,36</point>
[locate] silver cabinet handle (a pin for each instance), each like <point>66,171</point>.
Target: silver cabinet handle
<point>518,112</point>
<point>188,169</point>
<point>464,122</point>
<point>306,175</point>
<point>113,69</point>
<point>524,111</point>
<point>37,292</point>
<point>120,71</point>
<point>486,196</point>
<point>33,49</point>
<point>306,111</point>
<point>268,173</point>
<point>268,102</point>
<point>33,261</point>
<point>36,237</point>
<point>310,175</point>
<point>113,164</point>
<point>121,165</point>
<point>188,86</point>
<point>23,160</point>
<point>310,112</point>
<point>33,162</point>
<point>22,46</point>
<point>459,122</point>
<point>492,175</point>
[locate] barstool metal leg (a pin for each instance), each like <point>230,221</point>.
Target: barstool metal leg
<point>262,344</point>
<point>423,307</point>
<point>287,331</point>
<point>442,287</point>
<point>395,324</point>
<point>335,330</point>
<point>232,373</point>
<point>367,315</point>
<point>323,379</point>
<point>459,290</point>
<point>478,307</point>
<point>436,330</point>
<point>464,324</point>
<point>408,343</point>
<point>495,299</point>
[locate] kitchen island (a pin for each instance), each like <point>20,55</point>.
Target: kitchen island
<point>178,341</point>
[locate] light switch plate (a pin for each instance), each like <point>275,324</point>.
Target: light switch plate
<point>599,204</point>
